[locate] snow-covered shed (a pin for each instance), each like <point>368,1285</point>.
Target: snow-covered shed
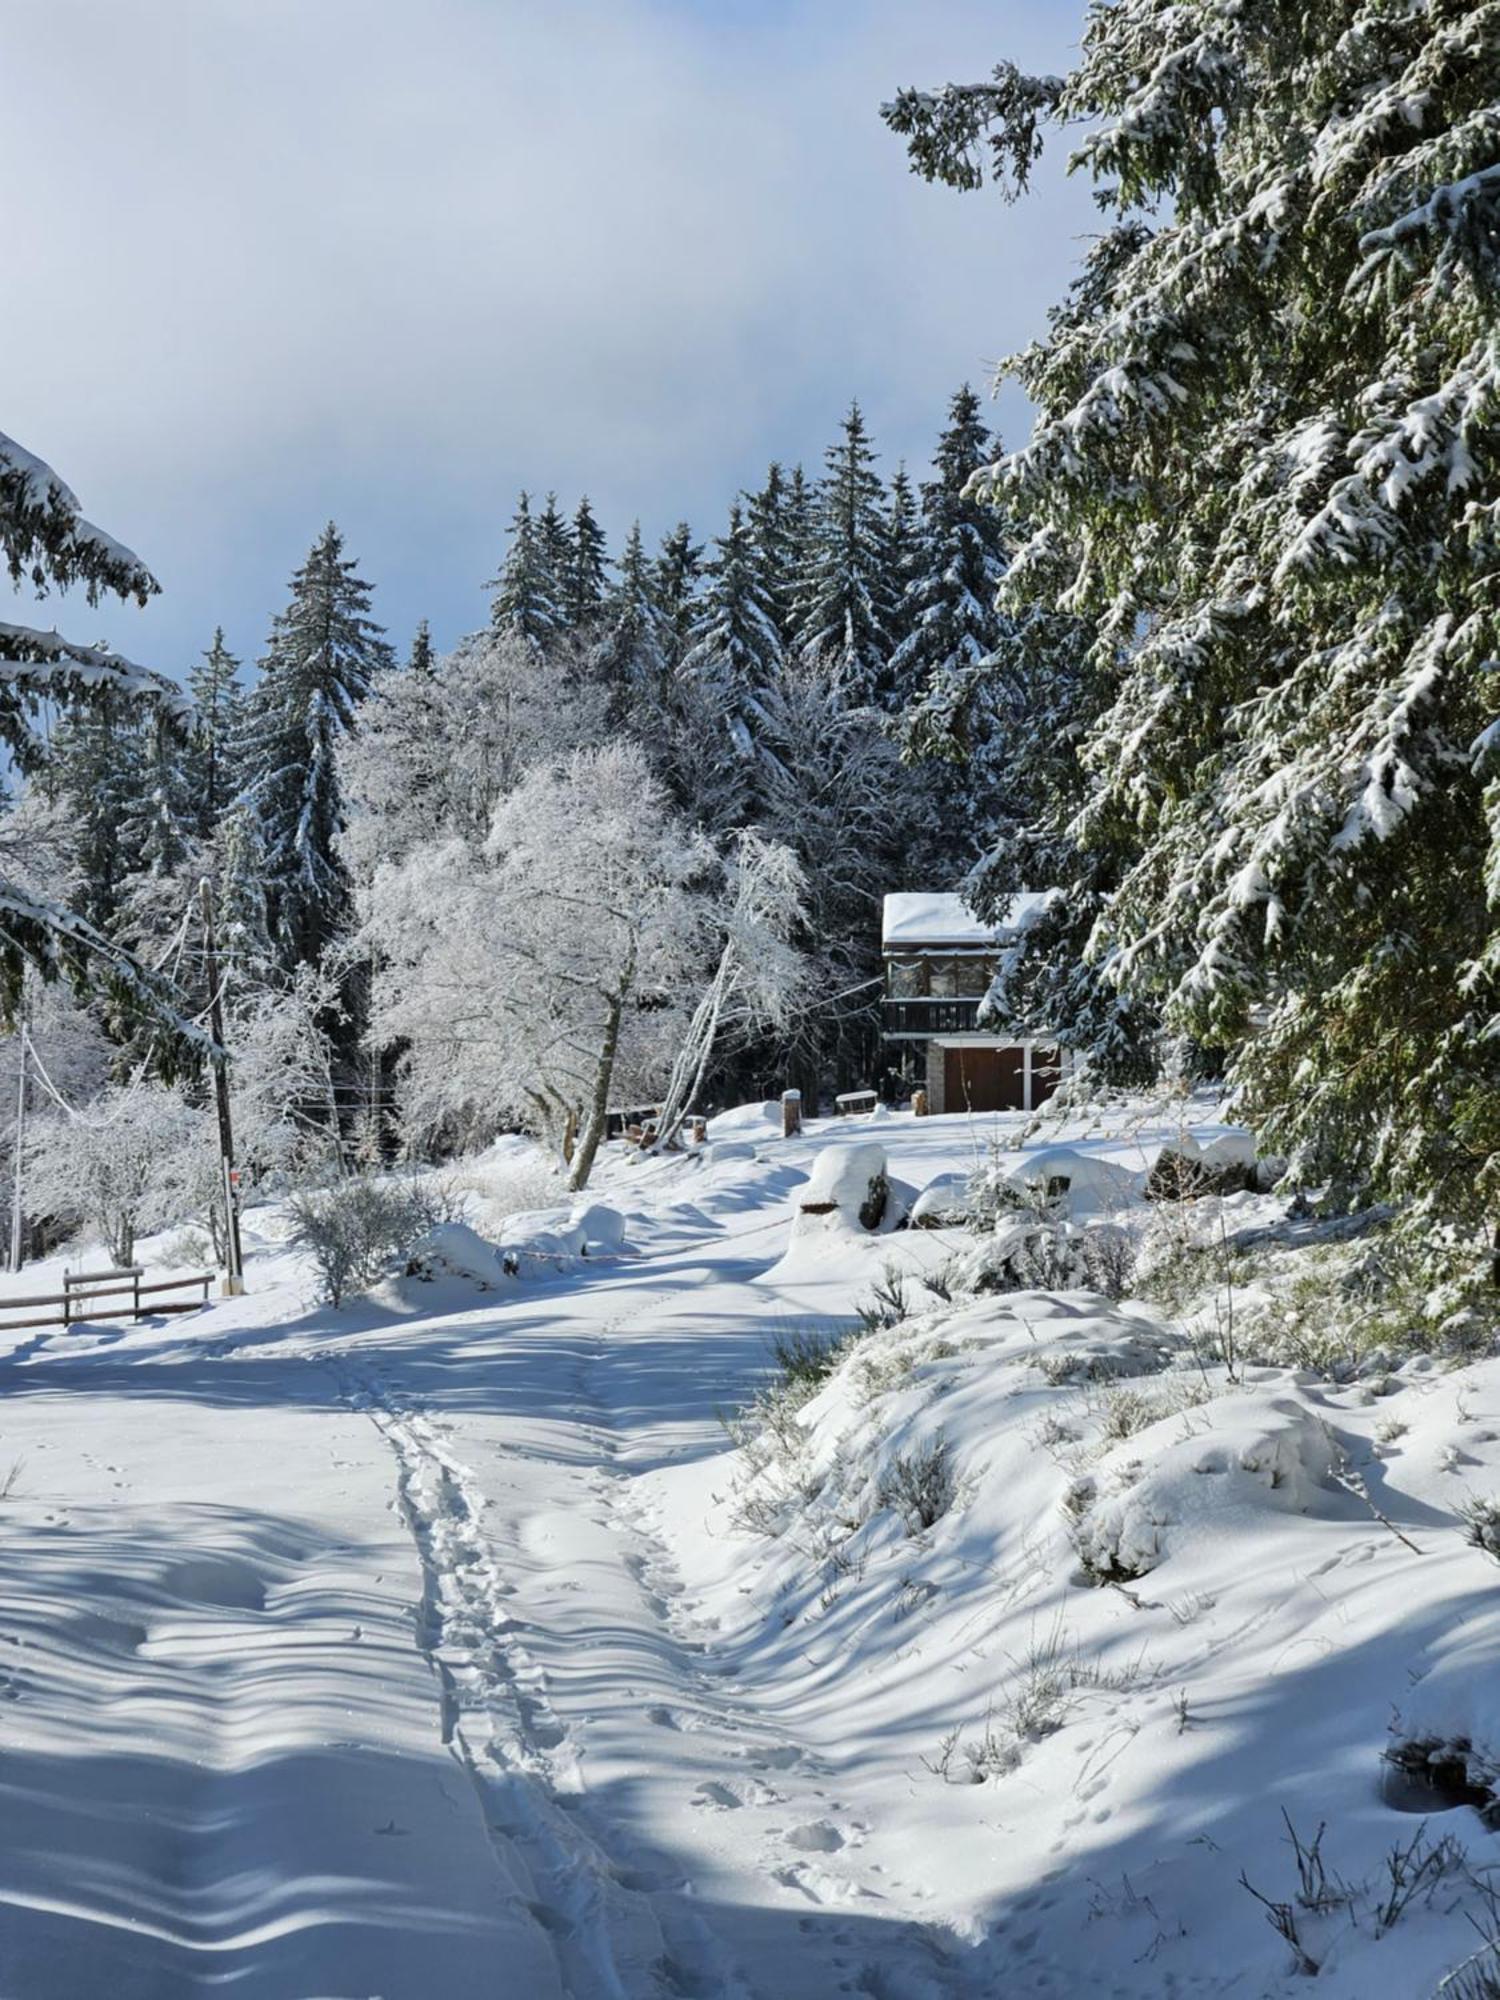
<point>939,964</point>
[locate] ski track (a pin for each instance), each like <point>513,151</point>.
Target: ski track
<point>619,1925</point>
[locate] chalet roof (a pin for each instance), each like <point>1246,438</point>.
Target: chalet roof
<point>928,918</point>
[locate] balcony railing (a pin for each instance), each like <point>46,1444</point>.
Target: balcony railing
<point>929,1017</point>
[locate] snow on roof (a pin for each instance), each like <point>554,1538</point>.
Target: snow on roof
<point>929,917</point>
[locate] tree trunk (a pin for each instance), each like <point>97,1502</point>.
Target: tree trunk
<point>604,1070</point>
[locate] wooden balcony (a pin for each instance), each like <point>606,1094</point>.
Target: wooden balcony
<point>919,1020</point>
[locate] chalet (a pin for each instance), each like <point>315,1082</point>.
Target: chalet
<point>939,962</point>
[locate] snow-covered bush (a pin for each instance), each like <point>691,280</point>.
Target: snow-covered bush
<point>355,1231</point>
<point>1036,1253</point>
<point>121,1168</point>
<point>1481,1518</point>
<point>920,1484</point>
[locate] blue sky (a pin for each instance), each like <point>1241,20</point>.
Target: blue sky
<point>388,262</point>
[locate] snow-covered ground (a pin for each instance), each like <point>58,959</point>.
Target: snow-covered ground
<point>443,1645</point>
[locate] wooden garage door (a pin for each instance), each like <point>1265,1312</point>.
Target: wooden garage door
<point>983,1080</point>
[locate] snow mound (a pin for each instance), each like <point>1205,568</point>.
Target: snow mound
<point>1102,1347</point>
<point>1448,1726</point>
<point>1081,1182</point>
<point>558,1235</point>
<point>1263,1453</point>
<point>454,1250</point>
<point>756,1119</point>
<point>945,1203</point>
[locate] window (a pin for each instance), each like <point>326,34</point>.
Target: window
<point>942,976</point>
<point>974,976</point>
<point>904,980</point>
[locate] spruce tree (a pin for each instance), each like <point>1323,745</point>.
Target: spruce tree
<point>584,578</point>
<point>845,598</point>
<point>46,542</point>
<point>93,769</point>
<point>1267,458</point>
<point>422,661</point>
<point>734,648</point>
<point>242,918</point>
<point>949,606</point>
<point>629,654</point>
<point>323,652</point>
<point>905,557</point>
<point>218,704</point>
<point>775,532</point>
<point>527,599</point>
<point>676,572</point>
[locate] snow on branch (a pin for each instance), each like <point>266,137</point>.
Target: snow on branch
<point>45,663</point>
<point>46,538</point>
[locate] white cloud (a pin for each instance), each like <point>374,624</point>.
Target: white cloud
<point>390,262</point>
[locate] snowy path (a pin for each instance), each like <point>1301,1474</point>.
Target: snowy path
<point>387,1684</point>
<point>411,1652</point>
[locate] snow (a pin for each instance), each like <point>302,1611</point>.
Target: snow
<point>923,917</point>
<point>427,1647</point>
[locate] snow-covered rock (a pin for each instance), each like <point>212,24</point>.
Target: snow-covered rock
<point>1258,1453</point>
<point>945,1203</point>
<point>454,1250</point>
<point>1082,1183</point>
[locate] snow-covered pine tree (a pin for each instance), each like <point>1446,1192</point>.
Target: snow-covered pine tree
<point>158,838</point>
<point>675,573</point>
<point>1268,449</point>
<point>47,543</point>
<point>323,653</point>
<point>949,603</point>
<point>844,599</point>
<point>777,517</point>
<point>242,921</point>
<point>91,771</point>
<point>554,540</point>
<point>734,648</point>
<point>422,660</point>
<point>904,553</point>
<point>218,703</point>
<point>584,577</point>
<point>628,656</point>
<point>527,597</point>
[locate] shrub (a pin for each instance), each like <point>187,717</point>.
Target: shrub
<point>887,1305</point>
<point>919,1484</point>
<point>355,1231</point>
<point>1481,1518</point>
<point>807,1358</point>
<point>1033,1253</point>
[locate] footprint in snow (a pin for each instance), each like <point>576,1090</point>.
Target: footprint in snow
<point>730,1797</point>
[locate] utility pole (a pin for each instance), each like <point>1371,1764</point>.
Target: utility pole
<point>234,1263</point>
<point>17,1209</point>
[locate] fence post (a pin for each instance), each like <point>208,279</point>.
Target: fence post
<point>791,1113</point>
<point>135,1283</point>
<point>67,1295</point>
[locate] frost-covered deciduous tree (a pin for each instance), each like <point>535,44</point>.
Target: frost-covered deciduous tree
<point>1268,454</point>
<point>760,972</point>
<point>532,977</point>
<point>121,1166</point>
<point>434,754</point>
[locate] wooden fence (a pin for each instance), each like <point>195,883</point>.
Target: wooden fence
<point>81,1288</point>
